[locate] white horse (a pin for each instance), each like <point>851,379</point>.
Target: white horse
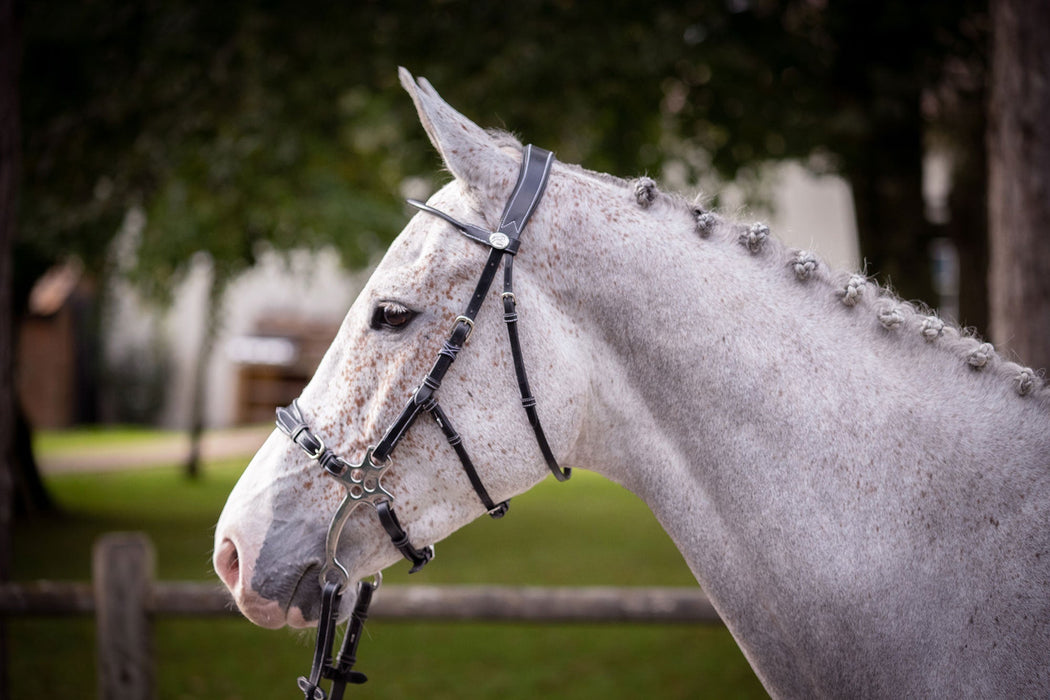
<point>862,490</point>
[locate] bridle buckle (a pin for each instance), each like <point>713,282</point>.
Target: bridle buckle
<point>469,323</point>
<point>316,453</point>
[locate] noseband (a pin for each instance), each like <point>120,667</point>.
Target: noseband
<point>363,481</point>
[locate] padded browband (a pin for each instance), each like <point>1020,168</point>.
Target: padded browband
<point>532,181</point>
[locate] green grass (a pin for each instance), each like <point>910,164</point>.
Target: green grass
<point>585,532</point>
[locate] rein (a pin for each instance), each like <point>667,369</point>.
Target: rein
<point>363,481</point>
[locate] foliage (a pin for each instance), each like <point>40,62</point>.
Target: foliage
<point>246,126</point>
<point>242,124</point>
<point>211,118</point>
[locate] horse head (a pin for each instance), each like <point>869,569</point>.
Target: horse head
<point>270,543</point>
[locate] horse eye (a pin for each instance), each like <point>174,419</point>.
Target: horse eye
<point>391,315</point>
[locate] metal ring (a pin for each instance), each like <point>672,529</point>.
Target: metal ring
<point>334,565</point>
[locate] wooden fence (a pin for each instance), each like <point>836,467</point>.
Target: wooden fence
<point>124,598</point>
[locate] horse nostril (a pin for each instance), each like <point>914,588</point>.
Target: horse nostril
<point>228,563</point>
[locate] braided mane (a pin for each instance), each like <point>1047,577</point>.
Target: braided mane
<point>855,290</point>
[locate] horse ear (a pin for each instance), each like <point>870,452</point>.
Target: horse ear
<point>469,152</point>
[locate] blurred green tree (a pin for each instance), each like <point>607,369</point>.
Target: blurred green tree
<point>217,122</point>
<point>245,125</point>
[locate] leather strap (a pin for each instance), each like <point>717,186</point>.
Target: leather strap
<point>528,401</point>
<point>398,536</point>
<point>341,672</point>
<point>471,231</point>
<point>461,330</point>
<point>290,421</point>
<point>454,439</point>
<point>532,181</point>
<point>310,685</point>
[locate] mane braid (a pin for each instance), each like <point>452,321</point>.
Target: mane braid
<point>852,289</point>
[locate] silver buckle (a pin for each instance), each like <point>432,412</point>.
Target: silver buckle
<point>470,326</point>
<point>320,445</point>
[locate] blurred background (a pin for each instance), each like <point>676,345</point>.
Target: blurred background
<point>193,193</point>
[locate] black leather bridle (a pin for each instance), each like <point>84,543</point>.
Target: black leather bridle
<point>363,481</point>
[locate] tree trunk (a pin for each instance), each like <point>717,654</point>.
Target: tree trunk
<point>9,171</point>
<point>30,493</point>
<point>212,319</point>
<point>1019,180</point>
<point>886,183</point>
<point>968,229</point>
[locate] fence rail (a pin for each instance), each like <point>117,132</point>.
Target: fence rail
<point>392,602</point>
<point>124,598</point>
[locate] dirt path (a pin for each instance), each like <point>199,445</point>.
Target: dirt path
<point>163,451</point>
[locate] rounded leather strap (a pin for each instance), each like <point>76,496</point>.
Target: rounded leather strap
<point>398,536</point>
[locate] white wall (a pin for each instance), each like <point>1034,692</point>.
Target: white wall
<point>312,285</point>
<point>812,212</point>
<point>815,212</point>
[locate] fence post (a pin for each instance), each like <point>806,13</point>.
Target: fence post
<point>123,569</point>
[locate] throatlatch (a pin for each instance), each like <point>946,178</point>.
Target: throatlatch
<point>363,481</point>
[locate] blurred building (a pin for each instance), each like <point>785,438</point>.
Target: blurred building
<point>275,362</point>
<point>276,323</point>
<point>55,359</point>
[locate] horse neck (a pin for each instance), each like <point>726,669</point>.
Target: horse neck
<point>813,447</point>
<point>687,334</point>
<point>725,387</point>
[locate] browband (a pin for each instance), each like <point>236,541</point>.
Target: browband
<point>532,181</point>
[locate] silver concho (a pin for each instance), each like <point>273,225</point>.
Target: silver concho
<point>499,240</point>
